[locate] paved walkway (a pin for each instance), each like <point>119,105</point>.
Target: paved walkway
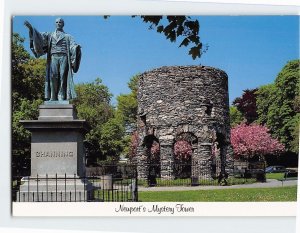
<point>269,184</point>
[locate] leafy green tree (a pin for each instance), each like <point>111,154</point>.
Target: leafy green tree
<point>127,111</point>
<point>276,105</point>
<point>19,56</point>
<point>127,103</point>
<point>27,110</point>
<point>28,74</point>
<point>265,97</point>
<point>112,139</point>
<point>93,105</point>
<point>27,90</point>
<point>297,103</point>
<point>236,117</point>
<point>93,102</point>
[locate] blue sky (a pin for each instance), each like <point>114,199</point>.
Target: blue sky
<point>250,49</point>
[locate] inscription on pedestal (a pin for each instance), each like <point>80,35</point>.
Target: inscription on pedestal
<point>54,154</point>
<point>54,157</point>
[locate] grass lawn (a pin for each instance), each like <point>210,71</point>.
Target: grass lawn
<point>225,195</point>
<point>187,182</point>
<point>276,176</point>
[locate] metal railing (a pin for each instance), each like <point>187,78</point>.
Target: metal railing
<point>197,173</point>
<point>104,186</point>
<point>119,183</point>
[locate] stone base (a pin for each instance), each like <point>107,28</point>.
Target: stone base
<point>57,141</point>
<point>56,150</point>
<point>57,112</point>
<point>55,190</point>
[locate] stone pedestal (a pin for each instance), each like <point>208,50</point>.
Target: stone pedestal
<point>57,151</point>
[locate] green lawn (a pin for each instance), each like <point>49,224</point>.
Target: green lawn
<point>225,195</point>
<point>276,176</point>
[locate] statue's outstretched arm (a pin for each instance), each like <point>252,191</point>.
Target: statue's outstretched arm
<point>28,25</point>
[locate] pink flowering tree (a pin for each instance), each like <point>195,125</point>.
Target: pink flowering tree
<point>253,140</point>
<point>134,142</point>
<point>155,151</point>
<point>182,150</point>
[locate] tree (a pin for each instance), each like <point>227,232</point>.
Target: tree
<point>254,140</point>
<point>127,104</point>
<point>93,105</point>
<point>175,27</point>
<point>236,117</point>
<point>297,103</point>
<point>265,96</point>
<point>28,74</point>
<point>154,147</point>
<point>155,152</point>
<point>247,105</point>
<point>182,150</point>
<point>134,142</point>
<point>276,105</point>
<point>27,91</point>
<point>127,112</point>
<point>19,56</point>
<point>112,139</point>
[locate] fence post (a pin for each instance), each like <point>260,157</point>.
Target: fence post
<point>28,189</point>
<point>75,185</point>
<point>18,187</point>
<point>37,186</point>
<point>84,195</point>
<point>47,187</point>
<point>56,187</point>
<point>136,186</point>
<point>65,187</point>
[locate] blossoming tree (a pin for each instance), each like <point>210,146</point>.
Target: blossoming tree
<point>182,150</point>
<point>253,140</point>
<point>154,149</point>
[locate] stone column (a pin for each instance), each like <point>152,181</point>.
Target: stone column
<point>195,165</point>
<point>166,159</point>
<point>229,161</point>
<point>205,161</point>
<point>142,162</point>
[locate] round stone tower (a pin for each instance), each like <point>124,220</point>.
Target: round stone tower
<point>184,103</point>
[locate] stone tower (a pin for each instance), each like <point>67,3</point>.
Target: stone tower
<point>184,103</point>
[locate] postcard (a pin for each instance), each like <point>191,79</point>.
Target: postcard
<point>171,115</point>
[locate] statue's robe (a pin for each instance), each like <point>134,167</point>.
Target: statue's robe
<point>40,44</point>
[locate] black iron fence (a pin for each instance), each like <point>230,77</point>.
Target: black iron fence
<point>119,183</point>
<point>197,173</point>
<point>112,183</point>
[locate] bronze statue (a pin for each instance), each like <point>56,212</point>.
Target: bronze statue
<point>63,58</point>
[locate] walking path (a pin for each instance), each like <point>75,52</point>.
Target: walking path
<point>271,183</point>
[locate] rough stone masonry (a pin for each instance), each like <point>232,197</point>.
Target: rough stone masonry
<point>185,103</point>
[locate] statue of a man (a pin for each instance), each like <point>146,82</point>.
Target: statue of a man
<point>63,58</point>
